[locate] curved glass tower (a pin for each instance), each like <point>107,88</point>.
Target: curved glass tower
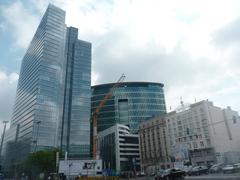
<point>130,104</point>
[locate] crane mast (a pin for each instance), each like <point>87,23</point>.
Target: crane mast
<point>97,110</point>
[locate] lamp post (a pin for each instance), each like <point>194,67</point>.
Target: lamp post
<point>36,141</point>
<point>69,172</point>
<point>4,129</point>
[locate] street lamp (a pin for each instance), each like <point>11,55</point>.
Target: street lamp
<point>3,134</point>
<point>36,141</point>
<point>69,172</point>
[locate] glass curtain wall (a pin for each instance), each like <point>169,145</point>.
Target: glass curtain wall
<point>130,104</point>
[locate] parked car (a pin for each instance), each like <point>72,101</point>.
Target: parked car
<point>1,176</point>
<point>198,170</point>
<point>187,169</point>
<point>237,165</point>
<point>216,168</point>
<point>228,168</point>
<point>170,174</point>
<point>231,168</point>
<point>153,174</point>
<point>141,174</point>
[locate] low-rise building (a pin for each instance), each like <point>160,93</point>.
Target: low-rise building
<point>118,149</point>
<point>210,132</point>
<point>154,147</point>
<point>201,133</point>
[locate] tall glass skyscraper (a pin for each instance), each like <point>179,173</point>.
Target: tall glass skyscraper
<point>75,127</point>
<point>52,107</point>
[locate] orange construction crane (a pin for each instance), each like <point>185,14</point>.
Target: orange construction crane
<point>98,108</point>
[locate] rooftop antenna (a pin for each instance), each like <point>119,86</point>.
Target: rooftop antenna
<point>181,101</point>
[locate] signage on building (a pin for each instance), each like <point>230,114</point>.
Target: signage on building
<point>80,167</point>
<point>179,155</point>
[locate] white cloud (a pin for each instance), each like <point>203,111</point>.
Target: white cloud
<point>3,76</point>
<point>13,77</point>
<point>95,77</point>
<point>3,27</point>
<point>174,42</point>
<point>8,84</point>
<point>21,22</point>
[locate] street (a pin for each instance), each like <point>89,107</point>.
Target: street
<point>202,177</point>
<point>215,177</point>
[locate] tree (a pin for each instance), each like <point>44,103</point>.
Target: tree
<point>41,162</point>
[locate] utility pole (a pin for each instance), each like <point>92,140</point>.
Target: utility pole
<point>36,141</point>
<point>4,129</point>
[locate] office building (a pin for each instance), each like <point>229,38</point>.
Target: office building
<point>201,134</point>
<point>52,107</point>
<point>154,145</point>
<point>75,125</point>
<point>119,149</point>
<point>130,104</point>
<point>204,127</point>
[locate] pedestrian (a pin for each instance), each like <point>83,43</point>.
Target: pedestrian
<point>23,176</point>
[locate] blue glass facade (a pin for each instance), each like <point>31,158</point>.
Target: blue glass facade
<point>75,127</point>
<point>52,107</point>
<point>131,103</point>
<point>37,109</point>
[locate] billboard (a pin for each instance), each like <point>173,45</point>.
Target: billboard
<point>179,154</point>
<point>80,167</point>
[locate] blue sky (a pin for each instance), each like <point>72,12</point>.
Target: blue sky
<point>11,53</point>
<point>190,46</point>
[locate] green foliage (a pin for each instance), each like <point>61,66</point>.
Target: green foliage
<point>42,162</point>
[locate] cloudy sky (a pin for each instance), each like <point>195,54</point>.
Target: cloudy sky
<point>190,46</point>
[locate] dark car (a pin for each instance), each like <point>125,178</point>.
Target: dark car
<point>216,168</point>
<point>1,176</point>
<point>198,170</point>
<point>141,174</point>
<point>231,168</point>
<point>170,174</point>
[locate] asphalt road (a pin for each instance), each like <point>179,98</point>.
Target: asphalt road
<point>215,177</point>
<point>203,177</point>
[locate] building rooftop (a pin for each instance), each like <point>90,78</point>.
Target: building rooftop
<point>129,84</point>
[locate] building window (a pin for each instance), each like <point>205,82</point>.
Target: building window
<point>208,142</point>
<point>198,130</point>
<point>203,116</point>
<point>198,124</point>
<point>202,144</point>
<point>234,120</point>
<point>195,145</point>
<point>179,128</point>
